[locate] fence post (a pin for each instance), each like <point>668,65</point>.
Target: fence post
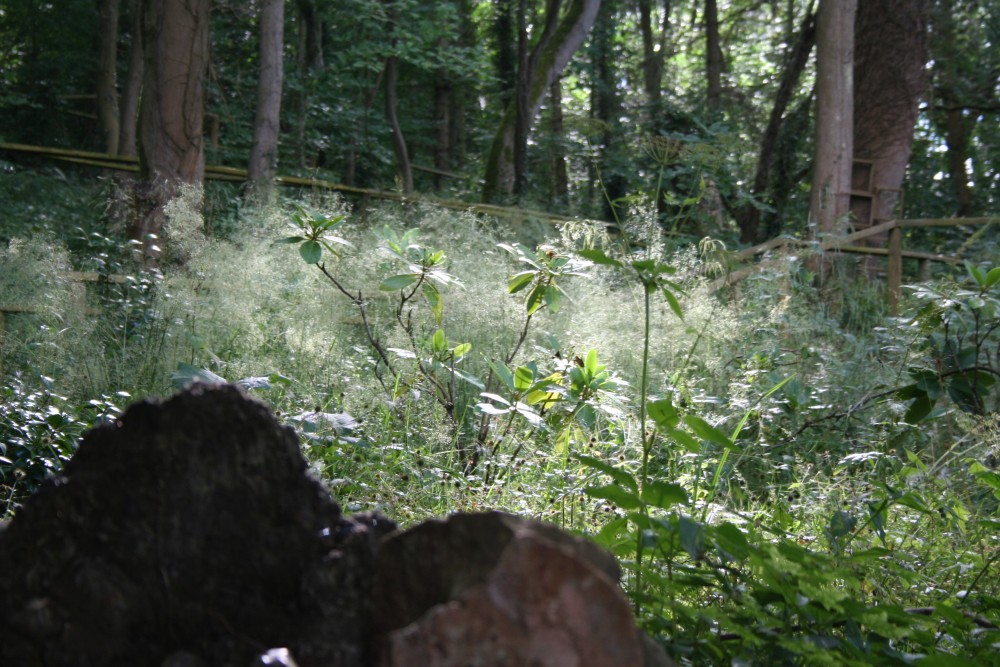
<point>895,272</point>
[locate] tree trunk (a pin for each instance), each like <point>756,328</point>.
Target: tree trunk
<point>654,50</point>
<point>607,109</point>
<point>889,80</point>
<point>549,58</point>
<point>132,87</point>
<point>560,174</point>
<point>309,62</point>
<point>956,134</point>
<point>267,118</point>
<point>749,216</point>
<point>175,35</point>
<point>107,78</point>
<point>713,56</point>
<point>398,140</point>
<point>831,183</point>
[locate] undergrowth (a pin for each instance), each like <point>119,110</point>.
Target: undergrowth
<point>785,478</point>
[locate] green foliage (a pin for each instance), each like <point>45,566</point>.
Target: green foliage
<point>960,344</point>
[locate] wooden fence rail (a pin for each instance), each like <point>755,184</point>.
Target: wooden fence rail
<point>894,251</point>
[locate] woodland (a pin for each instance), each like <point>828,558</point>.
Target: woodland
<point>714,283</point>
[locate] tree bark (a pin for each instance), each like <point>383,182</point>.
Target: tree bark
<point>132,86</point>
<point>398,140</point>
<point>749,216</point>
<point>175,36</point>
<point>107,77</point>
<point>891,45</point>
<point>654,50</point>
<point>549,58</point>
<point>309,62</point>
<point>560,173</point>
<point>267,118</point>
<point>831,182</point>
<point>607,109</point>
<point>713,56</point>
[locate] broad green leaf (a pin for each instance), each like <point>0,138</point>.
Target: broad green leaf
<point>663,412</point>
<point>504,374</point>
<point>525,411</point>
<point>470,378</point>
<point>706,431</point>
<point>586,416</point>
<point>290,239</point>
<point>692,537</point>
<point>598,257</point>
<point>731,542</point>
<point>622,477</point>
<point>439,342</point>
<point>399,282</point>
<point>491,409</point>
<point>546,398</point>
<point>536,298</point>
<point>976,273</point>
<point>523,377</point>
<point>461,350</point>
<point>616,494</point>
<point>919,409</point>
<point>674,304</point>
<point>684,439</point>
<point>520,281</point>
<point>433,297</point>
<point>311,252</point>
<point>553,297</point>
<point>664,495</point>
<point>993,277</point>
<point>591,362</point>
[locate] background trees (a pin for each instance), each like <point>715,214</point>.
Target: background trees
<point>567,104</point>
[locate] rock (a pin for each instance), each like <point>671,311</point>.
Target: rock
<point>188,527</point>
<point>189,534</point>
<point>495,590</point>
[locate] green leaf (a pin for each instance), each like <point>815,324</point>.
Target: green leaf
<point>622,477</point>
<point>664,495</point>
<point>290,239</point>
<point>684,439</point>
<point>674,304</point>
<point>598,257</point>
<point>706,431</point>
<point>919,409</point>
<point>552,296</point>
<point>399,282</point>
<point>439,342</point>
<point>976,273</point>
<point>663,412</point>
<point>692,537</point>
<point>993,277</point>
<point>523,377</point>
<point>470,378</point>
<point>504,374</point>
<point>536,298</point>
<point>461,350</point>
<point>615,494</point>
<point>520,281</point>
<point>311,252</point>
<point>433,297</point>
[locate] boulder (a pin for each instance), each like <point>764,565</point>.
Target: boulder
<point>189,534</point>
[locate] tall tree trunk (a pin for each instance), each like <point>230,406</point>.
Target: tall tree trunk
<point>267,117</point>
<point>107,77</point>
<point>890,51</point>
<point>309,62</point>
<point>831,182</point>
<point>132,86</point>
<point>549,57</point>
<point>522,120</point>
<point>175,35</point>
<point>505,38</point>
<point>398,140</point>
<point>956,135</point>
<point>443,125</point>
<point>560,173</point>
<point>713,56</point>
<point>654,48</point>
<point>749,215</point>
<point>607,109</point>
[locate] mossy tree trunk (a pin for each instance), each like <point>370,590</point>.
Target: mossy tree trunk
<point>267,119</point>
<point>549,57</point>
<point>175,37</point>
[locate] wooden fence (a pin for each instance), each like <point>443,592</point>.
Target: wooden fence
<point>894,251</point>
